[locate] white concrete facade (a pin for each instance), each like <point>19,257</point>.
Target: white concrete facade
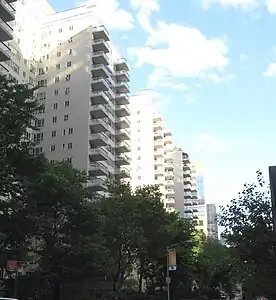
<point>153,154</point>
<point>82,86</point>
<point>193,208</point>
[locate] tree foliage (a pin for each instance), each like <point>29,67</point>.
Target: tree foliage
<point>248,229</point>
<point>74,246</point>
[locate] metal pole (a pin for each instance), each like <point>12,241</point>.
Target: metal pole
<point>168,274</point>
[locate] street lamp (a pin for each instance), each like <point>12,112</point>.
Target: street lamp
<point>171,262</point>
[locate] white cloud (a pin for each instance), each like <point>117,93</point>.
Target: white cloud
<point>181,51</point>
<point>242,4</point>
<point>160,78</point>
<point>207,143</point>
<point>144,10</point>
<point>218,78</point>
<point>271,70</point>
<point>271,6</point>
<point>109,13</point>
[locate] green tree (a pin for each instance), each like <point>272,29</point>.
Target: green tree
<point>66,241</point>
<point>17,114</point>
<point>248,229</point>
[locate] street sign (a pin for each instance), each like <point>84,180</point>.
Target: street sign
<point>168,280</point>
<point>172,260</point>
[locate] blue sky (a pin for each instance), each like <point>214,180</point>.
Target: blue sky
<point>211,66</point>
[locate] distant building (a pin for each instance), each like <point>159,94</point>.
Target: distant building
<point>212,225</point>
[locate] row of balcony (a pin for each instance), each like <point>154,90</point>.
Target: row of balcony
<point>103,84</point>
<point>101,154</point>
<point>101,97</point>
<point>7,11</point>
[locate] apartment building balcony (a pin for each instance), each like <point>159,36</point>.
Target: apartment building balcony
<point>188,210</point>
<point>3,70</point>
<point>5,52</point>
<point>122,134</point>
<point>99,125</point>
<point>158,162</point>
<point>98,154</point>
<point>122,160</point>
<point>100,84</point>
<point>169,175</point>
<point>101,98</point>
<point>187,194</point>
<point>121,172</point>
<point>100,45</point>
<point>122,87</point>
<point>187,174</point>
<point>170,193</point>
<point>98,139</point>
<point>100,32</point>
<point>99,58</point>
<point>169,184</point>
<point>101,111</point>
<point>100,71</point>
<point>158,144</point>
<point>187,187</point>
<point>121,65</point>
<point>122,76</point>
<point>159,171</point>
<point>121,99</point>
<point>96,184</point>
<point>98,169</point>
<point>7,11</point>
<point>122,147</point>
<point>157,126</point>
<point>122,111</point>
<point>5,32</point>
<point>158,153</point>
<point>122,123</point>
<point>158,134</point>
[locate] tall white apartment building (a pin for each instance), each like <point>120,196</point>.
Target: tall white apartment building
<point>193,207</point>
<point>153,160</point>
<point>83,88</point>
<point>7,17</point>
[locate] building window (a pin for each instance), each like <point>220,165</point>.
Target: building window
<point>64,131</point>
<point>68,77</point>
<point>139,121</point>
<point>48,56</point>
<point>53,148</point>
<point>58,66</point>
<point>139,177</point>
<point>39,123</point>
<point>60,30</point>
<point>54,133</point>
<point>38,150</point>
<point>54,119</point>
<point>59,42</point>
<point>66,104</point>
<point>68,64</point>
<point>58,54</point>
<point>40,71</point>
<point>42,83</point>
<point>66,118</point>
<point>63,146</point>
<point>70,145</point>
<point>38,137</point>
<point>200,223</point>
<point>67,91</point>
<point>138,148</point>
<point>138,112</point>
<point>139,157</point>
<point>41,96</point>
<point>56,92</point>
<point>70,131</point>
<point>57,79</point>
<point>71,27</point>
<point>55,106</point>
<point>70,51</point>
<point>70,40</point>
